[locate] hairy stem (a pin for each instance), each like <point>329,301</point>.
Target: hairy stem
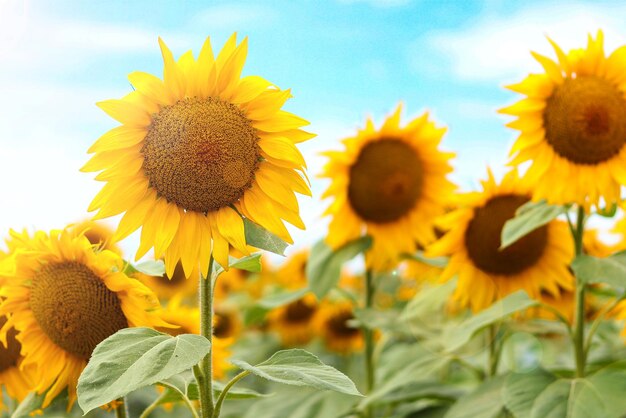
<point>368,334</point>
<point>204,371</point>
<point>579,315</point>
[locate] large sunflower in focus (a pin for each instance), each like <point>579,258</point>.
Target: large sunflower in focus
<point>63,298</point>
<point>537,262</point>
<point>573,126</point>
<point>196,152</point>
<point>390,184</point>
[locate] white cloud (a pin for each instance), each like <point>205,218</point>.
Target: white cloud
<point>496,46</point>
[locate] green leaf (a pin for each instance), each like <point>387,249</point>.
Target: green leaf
<point>521,390</point>
<point>440,262</point>
<point>149,267</point>
<point>324,266</point>
<point>484,402</point>
<point>300,368</point>
<point>428,301</point>
<point>251,263</point>
<point>426,389</point>
<point>528,217</point>
<point>133,358</point>
<point>610,383</point>
<point>281,298</point>
<point>31,403</point>
<point>564,398</point>
<point>610,270</point>
<point>462,333</point>
<point>608,212</point>
<point>261,238</point>
<point>424,365</point>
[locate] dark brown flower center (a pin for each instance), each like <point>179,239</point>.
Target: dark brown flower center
<point>585,120</point>
<point>482,238</point>
<point>385,181</point>
<point>201,154</point>
<point>10,354</point>
<point>74,307</point>
<point>299,311</point>
<point>338,324</point>
<point>223,325</point>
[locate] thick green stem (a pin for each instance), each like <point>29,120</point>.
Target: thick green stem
<point>579,315</point>
<point>120,411</point>
<point>368,334</point>
<point>220,399</point>
<point>494,352</point>
<point>204,372</point>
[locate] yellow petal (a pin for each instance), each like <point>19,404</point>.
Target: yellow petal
<point>118,138</point>
<point>151,87</point>
<point>125,112</point>
<point>282,149</point>
<point>172,75</point>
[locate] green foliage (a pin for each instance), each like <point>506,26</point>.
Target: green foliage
<point>300,368</point>
<point>31,403</point>
<point>610,270</point>
<point>134,358</point>
<point>149,267</point>
<point>261,238</point>
<point>324,266</point>
<point>184,385</point>
<point>251,263</point>
<point>521,389</point>
<point>484,402</point>
<point>528,217</point>
<point>462,334</point>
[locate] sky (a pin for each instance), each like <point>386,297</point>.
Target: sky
<point>343,59</point>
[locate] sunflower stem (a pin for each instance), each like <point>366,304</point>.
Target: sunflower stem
<point>369,337</point>
<point>146,413</point>
<point>494,352</point>
<point>579,316</point>
<point>204,372</point>
<point>229,385</point>
<point>121,411</point>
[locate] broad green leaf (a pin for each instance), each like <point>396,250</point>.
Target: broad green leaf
<point>564,398</point>
<point>149,267</point>
<point>300,368</point>
<point>440,262</point>
<point>261,238</point>
<point>133,358</point>
<point>528,217</point>
<point>282,298</point>
<point>324,266</point>
<point>521,390</point>
<point>251,263</point>
<point>31,403</point>
<point>463,333</point>
<point>484,402</point>
<point>610,383</point>
<point>427,389</point>
<point>420,368</point>
<point>610,270</point>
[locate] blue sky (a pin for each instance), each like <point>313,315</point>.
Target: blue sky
<point>343,60</point>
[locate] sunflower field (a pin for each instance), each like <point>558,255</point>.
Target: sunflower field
<point>421,300</point>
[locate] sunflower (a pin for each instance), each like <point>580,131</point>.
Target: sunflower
<point>13,377</point>
<point>572,126</point>
<point>196,152</point>
<point>98,234</point>
<point>186,320</point>
<point>292,273</point>
<point>295,322</point>
<point>333,325</point>
<point>63,299</point>
<point>538,261</point>
<point>168,287</point>
<point>390,184</point>
<point>227,324</point>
